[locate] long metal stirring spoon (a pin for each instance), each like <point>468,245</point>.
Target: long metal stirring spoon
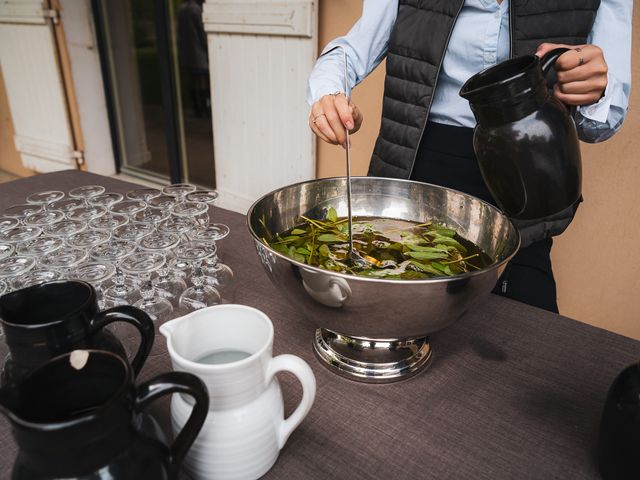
<point>354,256</point>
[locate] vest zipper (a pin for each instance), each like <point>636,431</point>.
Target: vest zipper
<point>510,29</point>
<point>435,85</point>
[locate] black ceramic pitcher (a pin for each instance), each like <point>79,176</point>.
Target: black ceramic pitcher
<point>618,449</point>
<point>525,141</point>
<point>75,418</point>
<point>44,321</point>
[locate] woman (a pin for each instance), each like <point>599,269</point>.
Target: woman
<point>432,47</point>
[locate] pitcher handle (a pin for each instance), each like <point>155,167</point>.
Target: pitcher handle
<point>549,59</point>
<point>177,382</point>
<point>304,374</point>
<point>133,316</point>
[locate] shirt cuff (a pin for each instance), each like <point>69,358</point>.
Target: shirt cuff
<point>599,111</point>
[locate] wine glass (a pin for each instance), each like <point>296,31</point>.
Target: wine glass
<point>65,259</point>
<point>86,192</point>
<point>128,207</point>
<point>200,295</point>
<point>88,239</point>
<point>35,277</point>
<point>45,198</point>
<point>178,190</point>
<point>177,225</point>
<point>6,249</point>
<point>106,199</point>
<point>151,216</point>
<point>19,234</point>
<point>219,275</point>
<point>46,217</point>
<point>8,222</point>
<point>209,197</point>
<point>66,204</point>
<point>108,222</point>
<point>86,213</point>
<point>97,274</point>
<point>64,228</point>
<point>11,267</point>
<point>168,285</point>
<point>142,264</point>
<point>143,194</point>
<point>21,211</point>
<point>39,247</point>
<point>122,292</point>
<point>209,233</point>
<point>202,196</point>
<point>163,202</point>
<point>192,210</point>
<point>132,231</point>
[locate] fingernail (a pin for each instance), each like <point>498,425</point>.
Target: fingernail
<point>350,125</point>
<point>344,145</point>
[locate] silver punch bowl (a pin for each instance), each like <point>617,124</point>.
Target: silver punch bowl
<point>369,329</point>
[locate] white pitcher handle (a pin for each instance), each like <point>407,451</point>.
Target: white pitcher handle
<point>300,368</point>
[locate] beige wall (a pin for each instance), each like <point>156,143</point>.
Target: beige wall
<point>9,157</point>
<point>597,260</point>
<point>336,18</point>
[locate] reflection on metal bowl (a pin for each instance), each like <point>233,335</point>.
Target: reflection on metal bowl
<point>376,330</point>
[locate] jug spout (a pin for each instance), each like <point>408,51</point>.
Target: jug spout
<point>168,328</point>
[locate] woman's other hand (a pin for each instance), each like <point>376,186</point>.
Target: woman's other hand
<point>581,72</point>
<point>330,116</point>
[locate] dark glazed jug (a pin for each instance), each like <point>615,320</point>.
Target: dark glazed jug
<point>75,418</point>
<point>525,141</point>
<point>619,439</point>
<point>44,321</point>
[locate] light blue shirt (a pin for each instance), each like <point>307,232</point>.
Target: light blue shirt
<point>480,39</point>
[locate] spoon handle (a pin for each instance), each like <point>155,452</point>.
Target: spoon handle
<point>347,150</point>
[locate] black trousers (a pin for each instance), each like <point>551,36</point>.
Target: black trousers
<point>446,157</point>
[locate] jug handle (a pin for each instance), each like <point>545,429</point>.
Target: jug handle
<point>133,316</point>
<point>304,374</point>
<point>549,59</point>
<point>177,382</point>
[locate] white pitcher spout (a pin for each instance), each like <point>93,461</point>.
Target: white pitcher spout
<point>167,328</point>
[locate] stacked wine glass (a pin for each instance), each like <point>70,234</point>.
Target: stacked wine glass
<point>152,248</point>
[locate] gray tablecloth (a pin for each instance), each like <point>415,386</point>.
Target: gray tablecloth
<point>513,392</point>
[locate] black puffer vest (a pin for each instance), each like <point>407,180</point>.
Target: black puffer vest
<point>416,49</point>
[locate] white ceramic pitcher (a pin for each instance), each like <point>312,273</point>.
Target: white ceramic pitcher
<point>245,429</point>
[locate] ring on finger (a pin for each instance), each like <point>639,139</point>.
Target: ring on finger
<point>580,57</point>
<point>316,117</point>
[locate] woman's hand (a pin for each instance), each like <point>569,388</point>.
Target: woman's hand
<point>582,73</point>
<point>330,116</point>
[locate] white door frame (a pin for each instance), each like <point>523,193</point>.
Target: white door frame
<point>260,55</point>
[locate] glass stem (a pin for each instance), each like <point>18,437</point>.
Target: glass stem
<point>197,277</point>
<point>147,288</point>
<point>119,281</point>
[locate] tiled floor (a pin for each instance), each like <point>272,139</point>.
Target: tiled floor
<point>7,177</point>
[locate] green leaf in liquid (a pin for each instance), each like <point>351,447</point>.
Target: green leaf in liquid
<point>332,215</point>
<point>421,248</point>
<point>427,255</point>
<point>426,268</point>
<point>451,242</point>
<point>330,237</point>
